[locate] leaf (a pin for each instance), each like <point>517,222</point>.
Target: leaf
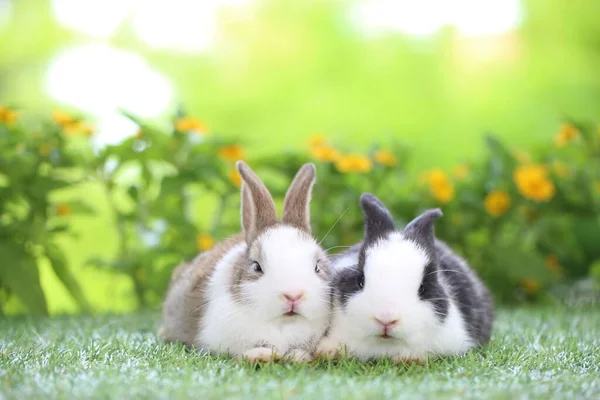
<point>62,271</point>
<point>19,272</point>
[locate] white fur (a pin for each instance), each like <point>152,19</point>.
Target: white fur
<point>289,259</point>
<point>393,273</point>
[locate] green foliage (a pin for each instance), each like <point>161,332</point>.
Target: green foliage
<point>523,224</point>
<point>37,160</point>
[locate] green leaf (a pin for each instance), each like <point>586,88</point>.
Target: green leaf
<point>62,271</point>
<point>19,272</point>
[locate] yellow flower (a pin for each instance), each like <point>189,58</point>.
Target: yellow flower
<point>325,153</point>
<point>443,193</point>
<point>533,183</point>
<point>496,203</point>
<point>7,115</point>
<point>204,241</point>
<point>317,139</point>
<point>523,157</point>
<point>531,286</point>
<point>566,133</point>
<point>554,266</point>
<point>188,124</point>
<point>234,152</point>
<point>235,177</point>
<point>78,128</point>
<point>385,157</point>
<point>439,185</point>
<point>45,149</point>
<point>354,163</point>
<point>461,172</point>
<point>560,169</point>
<point>62,118</point>
<point>63,209</point>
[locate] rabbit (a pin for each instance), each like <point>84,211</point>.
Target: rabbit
<point>404,294</point>
<point>260,295</point>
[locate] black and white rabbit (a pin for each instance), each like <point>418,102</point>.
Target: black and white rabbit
<point>404,294</point>
<point>260,295</point>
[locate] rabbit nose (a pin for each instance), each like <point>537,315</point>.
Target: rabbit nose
<point>293,297</point>
<point>386,322</point>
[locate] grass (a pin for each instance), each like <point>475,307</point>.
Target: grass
<point>535,353</point>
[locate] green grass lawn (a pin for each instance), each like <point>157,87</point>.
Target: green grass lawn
<point>542,353</point>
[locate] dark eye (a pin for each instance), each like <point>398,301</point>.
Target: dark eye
<point>421,290</point>
<point>361,281</point>
<point>256,267</point>
<point>317,269</point>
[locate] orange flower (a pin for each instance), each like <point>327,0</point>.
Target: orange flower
<point>354,163</point>
<point>63,209</point>
<point>461,172</point>
<point>566,134</point>
<point>7,115</point>
<point>496,203</point>
<point>325,153</point>
<point>533,183</point>
<point>233,153</point>
<point>45,149</point>
<point>317,139</point>
<point>204,241</point>
<point>554,266</point>
<point>235,178</point>
<point>189,124</point>
<point>78,128</point>
<point>439,185</point>
<point>62,118</point>
<point>531,286</point>
<point>386,158</point>
<point>560,169</point>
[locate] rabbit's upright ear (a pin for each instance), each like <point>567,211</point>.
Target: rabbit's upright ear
<point>258,208</point>
<point>421,229</point>
<point>296,206</point>
<point>378,220</point>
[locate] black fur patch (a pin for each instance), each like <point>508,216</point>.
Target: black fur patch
<point>431,290</point>
<point>348,283</point>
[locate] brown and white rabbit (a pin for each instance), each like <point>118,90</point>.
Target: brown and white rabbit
<point>404,294</point>
<point>260,295</point>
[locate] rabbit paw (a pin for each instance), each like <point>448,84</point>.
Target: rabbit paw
<point>328,349</point>
<point>259,354</point>
<point>297,356</point>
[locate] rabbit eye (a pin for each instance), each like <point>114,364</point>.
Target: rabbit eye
<point>361,282</point>
<point>256,267</point>
<point>421,290</point>
<point>317,269</point>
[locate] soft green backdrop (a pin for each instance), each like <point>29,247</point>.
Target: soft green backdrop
<point>292,68</point>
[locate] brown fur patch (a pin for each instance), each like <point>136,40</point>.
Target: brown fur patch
<point>184,304</point>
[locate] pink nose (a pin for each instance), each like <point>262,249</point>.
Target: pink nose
<point>386,323</point>
<point>292,298</point>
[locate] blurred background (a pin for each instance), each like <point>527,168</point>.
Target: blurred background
<point>418,82</point>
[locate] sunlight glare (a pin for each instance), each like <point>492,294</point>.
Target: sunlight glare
<point>99,79</point>
<point>426,17</point>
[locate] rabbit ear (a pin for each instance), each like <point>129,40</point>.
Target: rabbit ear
<point>296,206</point>
<point>421,229</point>
<point>378,220</point>
<point>258,208</point>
